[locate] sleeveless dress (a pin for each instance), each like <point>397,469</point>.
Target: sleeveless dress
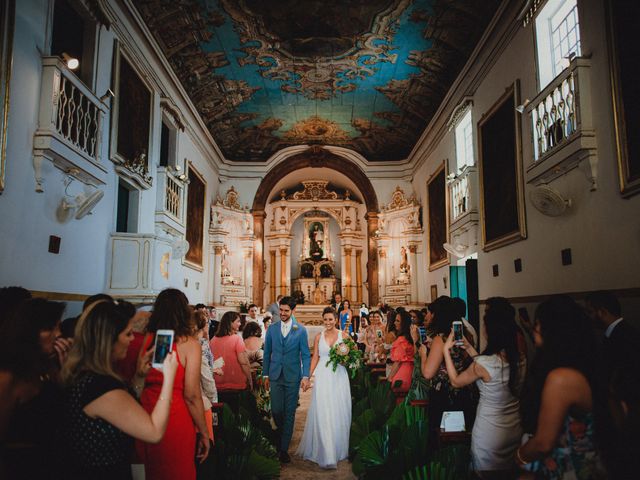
<point>325,440</point>
<point>344,315</point>
<point>174,456</point>
<point>497,429</point>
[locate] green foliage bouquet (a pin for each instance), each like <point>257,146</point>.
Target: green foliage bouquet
<point>346,353</point>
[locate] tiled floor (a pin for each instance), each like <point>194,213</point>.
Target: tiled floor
<point>300,469</point>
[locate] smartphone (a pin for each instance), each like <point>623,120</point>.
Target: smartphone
<point>379,334</point>
<point>423,334</point>
<point>458,332</point>
<point>163,345</point>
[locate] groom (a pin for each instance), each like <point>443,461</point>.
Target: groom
<point>286,368</point>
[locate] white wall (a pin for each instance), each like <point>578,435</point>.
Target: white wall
<point>28,218</point>
<point>602,229</point>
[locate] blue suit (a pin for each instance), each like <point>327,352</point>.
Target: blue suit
<point>286,361</point>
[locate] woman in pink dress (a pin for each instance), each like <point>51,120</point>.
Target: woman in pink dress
<point>229,346</point>
<point>402,352</point>
<point>174,456</point>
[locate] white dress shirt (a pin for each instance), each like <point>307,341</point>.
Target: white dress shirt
<point>285,328</point>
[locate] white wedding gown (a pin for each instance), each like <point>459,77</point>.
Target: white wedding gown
<point>325,440</point>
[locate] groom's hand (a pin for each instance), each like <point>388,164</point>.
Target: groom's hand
<point>305,384</point>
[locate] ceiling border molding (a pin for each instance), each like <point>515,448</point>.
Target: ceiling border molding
<point>463,107</point>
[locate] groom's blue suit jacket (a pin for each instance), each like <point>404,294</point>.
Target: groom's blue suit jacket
<point>290,356</point>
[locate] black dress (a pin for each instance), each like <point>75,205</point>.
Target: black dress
<point>95,448</point>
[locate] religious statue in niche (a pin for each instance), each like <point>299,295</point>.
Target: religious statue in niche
<point>316,244</point>
<point>404,262</point>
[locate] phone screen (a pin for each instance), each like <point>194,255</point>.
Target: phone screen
<point>164,342</point>
<point>379,333</point>
<point>457,332</point>
<point>423,334</point>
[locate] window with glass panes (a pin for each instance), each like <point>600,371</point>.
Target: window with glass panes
<point>565,35</point>
<point>464,141</point>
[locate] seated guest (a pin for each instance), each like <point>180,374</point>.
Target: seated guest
<point>402,352</point>
<point>564,438</point>
<point>174,456</point>
<point>498,373</point>
<point>252,336</point>
<point>100,415</point>
<point>207,381</point>
<point>30,398</point>
<point>237,372</point>
<point>443,396</point>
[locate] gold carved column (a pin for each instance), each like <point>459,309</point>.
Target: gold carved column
<point>347,274</point>
<point>372,262</point>
<point>272,279</point>
<point>258,257</point>
<point>283,271</point>
<point>358,277</point>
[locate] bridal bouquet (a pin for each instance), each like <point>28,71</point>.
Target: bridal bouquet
<point>346,353</point>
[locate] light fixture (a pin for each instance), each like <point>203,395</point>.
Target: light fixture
<point>182,177</point>
<point>520,108</point>
<point>177,168</point>
<point>72,62</point>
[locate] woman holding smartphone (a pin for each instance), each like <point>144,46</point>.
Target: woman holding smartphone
<point>174,456</point>
<point>101,417</point>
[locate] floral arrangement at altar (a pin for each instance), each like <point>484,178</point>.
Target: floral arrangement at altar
<point>346,353</point>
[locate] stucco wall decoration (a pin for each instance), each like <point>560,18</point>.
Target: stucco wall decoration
<point>267,74</point>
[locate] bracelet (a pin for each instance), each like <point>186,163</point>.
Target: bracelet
<point>519,457</point>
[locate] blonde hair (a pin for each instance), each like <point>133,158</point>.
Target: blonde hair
<point>96,332</point>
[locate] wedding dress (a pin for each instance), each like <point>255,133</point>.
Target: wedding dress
<point>325,440</point>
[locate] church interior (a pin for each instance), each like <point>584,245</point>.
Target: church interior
<point>389,151</point>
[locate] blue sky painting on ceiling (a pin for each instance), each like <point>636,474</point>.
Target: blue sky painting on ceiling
<point>362,74</point>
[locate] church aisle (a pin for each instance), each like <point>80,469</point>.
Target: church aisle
<point>300,469</point>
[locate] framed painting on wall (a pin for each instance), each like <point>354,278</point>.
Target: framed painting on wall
<point>624,51</point>
<point>7,23</point>
<point>502,209</point>
<point>438,224</point>
<point>196,198</point>
<point>131,124</point>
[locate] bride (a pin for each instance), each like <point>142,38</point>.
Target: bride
<point>325,440</point>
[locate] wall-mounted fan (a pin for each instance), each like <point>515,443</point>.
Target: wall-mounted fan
<point>82,203</point>
<point>548,201</point>
<point>456,249</point>
<point>179,248</point>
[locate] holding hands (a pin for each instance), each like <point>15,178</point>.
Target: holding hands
<point>305,384</point>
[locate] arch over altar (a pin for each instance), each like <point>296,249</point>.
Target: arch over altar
<point>364,248</point>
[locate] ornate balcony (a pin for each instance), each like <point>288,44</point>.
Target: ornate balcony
<point>70,125</point>
<point>562,129</point>
<point>169,203</point>
<point>463,196</point>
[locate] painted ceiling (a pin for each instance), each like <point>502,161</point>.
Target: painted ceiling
<point>362,74</point>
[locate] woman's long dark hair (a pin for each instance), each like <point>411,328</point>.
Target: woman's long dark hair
<point>227,319</point>
<point>445,313</point>
<point>405,325</point>
<point>502,334</point>
<point>567,334</point>
<point>171,311</point>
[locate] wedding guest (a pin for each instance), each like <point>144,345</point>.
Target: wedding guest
<point>363,328</point>
<point>10,298</point>
<point>267,321</point>
<point>101,417</point>
<point>336,302</point>
<point>402,352</point>
<point>207,381</point>
<point>68,326</point>
<point>346,316</point>
<point>564,438</point>
<point>126,368</point>
<point>498,373</point>
<point>174,456</point>
<point>373,338</point>
<point>237,372</point>
<point>31,353</point>
<point>252,336</point>
<point>274,309</point>
<point>442,395</point>
<point>390,336</point>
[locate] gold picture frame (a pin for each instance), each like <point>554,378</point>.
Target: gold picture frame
<point>502,205</point>
<point>7,25</point>
<point>438,218</point>
<point>624,89</point>
<point>434,293</point>
<point>195,218</point>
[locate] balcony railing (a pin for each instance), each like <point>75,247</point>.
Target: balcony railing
<point>173,199</point>
<point>561,122</point>
<point>70,123</point>
<point>462,191</point>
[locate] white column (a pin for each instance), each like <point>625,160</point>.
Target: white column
<point>413,265</point>
<point>217,274</point>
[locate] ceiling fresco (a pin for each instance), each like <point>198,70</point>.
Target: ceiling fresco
<point>362,74</point>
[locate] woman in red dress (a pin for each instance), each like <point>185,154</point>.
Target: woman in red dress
<point>402,352</point>
<point>173,457</point>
